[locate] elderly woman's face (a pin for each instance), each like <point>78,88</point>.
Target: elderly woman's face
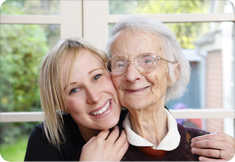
<point>138,90</point>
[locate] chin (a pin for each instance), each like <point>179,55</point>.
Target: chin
<point>111,123</point>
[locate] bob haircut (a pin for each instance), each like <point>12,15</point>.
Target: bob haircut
<point>51,86</point>
<point>171,48</point>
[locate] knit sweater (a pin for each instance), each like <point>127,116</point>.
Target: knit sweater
<point>181,153</point>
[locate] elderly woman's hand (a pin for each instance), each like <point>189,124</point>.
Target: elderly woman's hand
<point>216,146</point>
<point>105,146</point>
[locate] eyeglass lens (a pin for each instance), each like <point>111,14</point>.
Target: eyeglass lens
<point>144,63</point>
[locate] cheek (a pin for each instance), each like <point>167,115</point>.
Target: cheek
<point>116,82</point>
<point>73,105</point>
<point>160,81</point>
<point>108,85</point>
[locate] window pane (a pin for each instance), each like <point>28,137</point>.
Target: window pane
<point>14,139</point>
<point>166,6</point>
<point>31,7</point>
<point>211,54</point>
<point>22,48</point>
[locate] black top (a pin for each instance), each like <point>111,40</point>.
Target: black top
<point>39,148</point>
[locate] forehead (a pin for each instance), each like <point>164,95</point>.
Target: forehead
<point>130,43</point>
<point>84,61</point>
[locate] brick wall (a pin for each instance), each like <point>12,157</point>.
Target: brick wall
<point>214,88</point>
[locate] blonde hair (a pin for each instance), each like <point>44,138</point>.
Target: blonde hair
<point>51,84</point>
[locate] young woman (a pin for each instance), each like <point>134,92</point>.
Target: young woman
<point>79,100</point>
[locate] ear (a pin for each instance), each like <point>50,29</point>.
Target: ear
<point>176,69</point>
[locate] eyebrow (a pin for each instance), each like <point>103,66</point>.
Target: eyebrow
<point>88,73</point>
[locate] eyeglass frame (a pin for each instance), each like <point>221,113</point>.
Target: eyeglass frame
<point>158,58</point>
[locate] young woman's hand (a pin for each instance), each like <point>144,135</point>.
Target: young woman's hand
<point>215,145</point>
<point>105,146</point>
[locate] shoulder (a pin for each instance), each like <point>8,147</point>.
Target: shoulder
<point>39,129</point>
<point>39,148</point>
<point>190,132</point>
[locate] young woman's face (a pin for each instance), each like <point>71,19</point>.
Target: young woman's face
<point>91,99</point>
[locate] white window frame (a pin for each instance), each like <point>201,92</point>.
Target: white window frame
<point>90,20</point>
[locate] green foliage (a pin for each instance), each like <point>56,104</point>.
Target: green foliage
<point>30,7</point>
<point>10,7</point>
<point>16,151</point>
<point>22,48</point>
<point>186,33</point>
<point>121,6</point>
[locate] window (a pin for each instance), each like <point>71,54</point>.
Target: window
<point>205,31</point>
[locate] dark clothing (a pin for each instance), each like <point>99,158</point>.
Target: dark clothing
<point>39,148</point>
<point>181,153</point>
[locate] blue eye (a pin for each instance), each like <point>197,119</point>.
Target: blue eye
<point>96,77</point>
<point>148,61</point>
<point>74,90</point>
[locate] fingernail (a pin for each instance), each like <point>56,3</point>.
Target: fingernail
<point>192,140</point>
<point>116,127</point>
<point>193,150</point>
<point>192,144</point>
<point>201,158</point>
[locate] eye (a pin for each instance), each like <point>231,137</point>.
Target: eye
<point>119,64</point>
<point>74,90</point>
<point>96,77</point>
<point>146,60</point>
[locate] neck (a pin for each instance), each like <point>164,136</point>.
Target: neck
<point>150,123</point>
<point>87,134</point>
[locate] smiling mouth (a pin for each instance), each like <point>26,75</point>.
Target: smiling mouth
<point>101,111</point>
<point>137,90</point>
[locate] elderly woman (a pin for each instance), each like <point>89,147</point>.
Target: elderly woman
<point>148,69</point>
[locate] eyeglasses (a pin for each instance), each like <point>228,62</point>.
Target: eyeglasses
<point>144,63</point>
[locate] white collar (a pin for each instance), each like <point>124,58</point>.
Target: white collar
<point>170,141</point>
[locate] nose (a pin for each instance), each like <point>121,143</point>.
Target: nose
<point>93,95</point>
<point>132,74</point>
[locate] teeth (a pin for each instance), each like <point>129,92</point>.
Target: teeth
<point>101,111</point>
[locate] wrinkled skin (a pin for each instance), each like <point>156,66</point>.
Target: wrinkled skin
<point>143,94</point>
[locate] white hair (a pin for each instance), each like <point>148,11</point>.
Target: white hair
<point>170,47</point>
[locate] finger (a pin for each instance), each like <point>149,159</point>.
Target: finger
<point>90,140</point>
<point>209,153</point>
<point>216,137</point>
<point>202,158</point>
<point>121,140</point>
<point>209,144</point>
<point>113,135</point>
<point>124,147</point>
<point>218,132</point>
<point>103,134</point>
